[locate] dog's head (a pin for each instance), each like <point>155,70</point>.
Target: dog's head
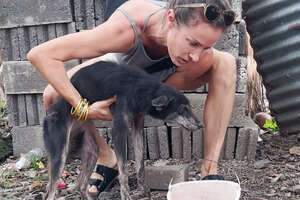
<point>171,106</point>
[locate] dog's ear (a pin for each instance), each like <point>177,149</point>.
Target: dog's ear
<point>160,102</point>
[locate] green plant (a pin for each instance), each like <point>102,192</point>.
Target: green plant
<point>36,163</point>
<point>271,125</point>
<point>4,177</point>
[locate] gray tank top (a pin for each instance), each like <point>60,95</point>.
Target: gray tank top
<point>137,56</point>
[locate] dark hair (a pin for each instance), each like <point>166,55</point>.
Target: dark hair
<point>187,16</point>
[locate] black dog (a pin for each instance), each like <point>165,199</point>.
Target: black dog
<point>138,93</point>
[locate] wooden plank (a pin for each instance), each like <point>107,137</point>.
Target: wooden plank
<point>16,13</point>
<point>163,141</point>
<point>187,144</point>
<point>22,110</point>
<point>153,146</point>
<point>176,138</point>
<point>198,144</point>
<point>31,109</point>
<point>230,143</point>
<point>41,109</point>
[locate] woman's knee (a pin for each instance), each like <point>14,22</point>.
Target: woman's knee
<point>226,69</point>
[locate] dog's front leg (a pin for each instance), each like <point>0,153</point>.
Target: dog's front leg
<point>138,139</point>
<point>119,135</point>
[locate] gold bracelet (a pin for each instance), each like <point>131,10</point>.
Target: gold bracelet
<point>76,111</point>
<point>81,110</point>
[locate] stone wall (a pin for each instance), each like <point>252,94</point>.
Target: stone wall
<point>26,23</point>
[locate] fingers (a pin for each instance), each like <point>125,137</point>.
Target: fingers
<point>110,100</point>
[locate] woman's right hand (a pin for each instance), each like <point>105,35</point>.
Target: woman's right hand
<point>100,109</point>
<point>49,96</point>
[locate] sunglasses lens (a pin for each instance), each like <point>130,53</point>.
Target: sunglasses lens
<point>229,17</point>
<point>211,13</point>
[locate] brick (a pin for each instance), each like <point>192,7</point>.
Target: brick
<point>163,141</point>
<point>12,110</point>
<point>21,110</point>
<point>31,109</point>
<point>159,178</point>
<point>14,40</point>
<point>99,11</point>
<point>176,140</point>
<point>243,44</point>
<point>23,42</point>
<point>253,137</point>
<point>89,9</point>
<point>15,13</point>
<point>27,138</point>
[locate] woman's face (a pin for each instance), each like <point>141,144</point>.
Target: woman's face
<point>187,44</point>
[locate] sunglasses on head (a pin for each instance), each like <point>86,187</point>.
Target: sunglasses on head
<point>212,12</point>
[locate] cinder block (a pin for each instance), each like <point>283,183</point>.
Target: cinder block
<point>229,41</point>
<point>27,138</point>
<point>229,142</point>
<point>15,13</point>
<point>176,139</point>
<point>238,118</point>
<point>241,82</point>
<point>159,178</point>
<point>246,144</point>
<point>163,141</point>
<point>243,45</point>
<point>153,145</point>
<point>198,141</point>
<point>187,144</point>
<point>99,11</point>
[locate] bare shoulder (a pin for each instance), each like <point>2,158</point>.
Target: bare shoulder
<point>221,56</point>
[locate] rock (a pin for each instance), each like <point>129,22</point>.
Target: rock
<point>295,150</point>
<point>260,119</point>
<point>277,178</point>
<point>296,189</point>
<point>261,164</point>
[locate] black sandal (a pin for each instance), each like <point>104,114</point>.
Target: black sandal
<point>213,177</point>
<point>109,176</point>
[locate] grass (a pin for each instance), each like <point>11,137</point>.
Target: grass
<point>5,175</point>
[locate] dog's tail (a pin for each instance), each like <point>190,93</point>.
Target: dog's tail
<point>57,125</point>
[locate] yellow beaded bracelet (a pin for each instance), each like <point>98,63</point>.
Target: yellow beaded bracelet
<point>81,110</point>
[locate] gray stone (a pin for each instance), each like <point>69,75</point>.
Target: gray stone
<point>229,41</point>
<point>27,138</point>
<point>198,141</point>
<point>229,142</point>
<point>153,145</point>
<point>163,142</point>
<point>159,178</point>
<point>261,164</point>
<point>242,76</point>
<point>15,13</point>
<point>187,144</point>
<point>296,189</point>
<point>176,140</point>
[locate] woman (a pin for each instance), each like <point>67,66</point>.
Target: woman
<point>156,36</point>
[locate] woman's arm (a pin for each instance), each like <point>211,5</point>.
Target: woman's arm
<point>115,35</point>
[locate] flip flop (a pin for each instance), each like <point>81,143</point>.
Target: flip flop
<point>109,176</point>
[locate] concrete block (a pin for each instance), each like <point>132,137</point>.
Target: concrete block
<point>22,121</point>
<point>243,45</point>
<point>176,140</point>
<point>23,42</point>
<point>229,142</point>
<point>89,13</point>
<point>187,144</point>
<point>238,118</point>
<point>241,82</point>
<point>99,11</point>
<point>159,178</point>
<point>14,41</point>
<point>153,144</point>
<point>15,13</point>
<point>27,138</point>
<point>163,141</point>
<point>198,141</point>
<point>229,41</point>
<point>246,145</point>
<point>31,110</point>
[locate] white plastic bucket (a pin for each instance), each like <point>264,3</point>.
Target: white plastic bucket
<point>204,190</point>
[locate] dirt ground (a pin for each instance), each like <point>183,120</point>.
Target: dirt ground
<point>275,174</point>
